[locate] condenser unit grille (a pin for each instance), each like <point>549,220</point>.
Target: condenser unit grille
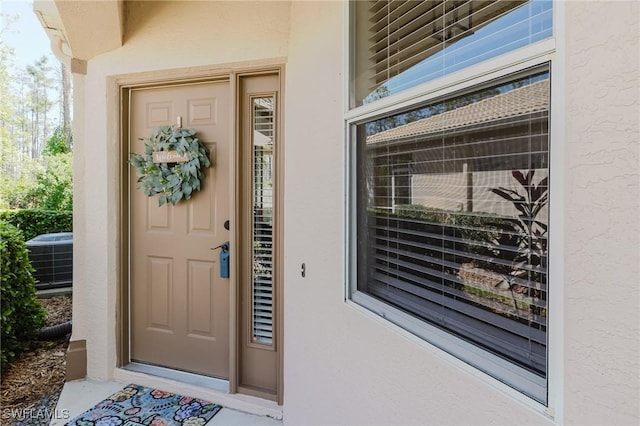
<point>51,256</point>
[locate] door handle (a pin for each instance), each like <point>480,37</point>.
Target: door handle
<point>224,246</point>
<point>224,258</point>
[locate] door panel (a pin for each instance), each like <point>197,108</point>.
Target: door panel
<point>202,321</point>
<point>159,288</point>
<point>179,304</point>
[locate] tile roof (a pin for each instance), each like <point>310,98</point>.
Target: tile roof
<point>523,100</point>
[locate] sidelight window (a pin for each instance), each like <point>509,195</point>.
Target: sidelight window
<point>262,288</point>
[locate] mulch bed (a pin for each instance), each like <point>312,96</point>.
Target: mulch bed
<point>31,385</point>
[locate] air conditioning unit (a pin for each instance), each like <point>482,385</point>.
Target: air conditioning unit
<point>51,256</point>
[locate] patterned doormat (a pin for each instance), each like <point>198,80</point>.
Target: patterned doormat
<point>136,405</point>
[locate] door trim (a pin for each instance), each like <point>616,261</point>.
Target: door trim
<point>278,234</point>
<point>118,97</point>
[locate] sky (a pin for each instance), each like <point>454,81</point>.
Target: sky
<point>25,35</point>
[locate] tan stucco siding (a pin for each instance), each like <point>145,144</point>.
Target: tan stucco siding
<point>161,35</point>
<point>602,256</point>
<point>363,370</point>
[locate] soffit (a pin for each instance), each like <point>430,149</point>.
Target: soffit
<point>84,28</point>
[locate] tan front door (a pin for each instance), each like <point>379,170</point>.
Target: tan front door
<point>179,303</point>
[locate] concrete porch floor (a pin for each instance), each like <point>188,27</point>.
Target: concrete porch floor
<point>80,395</point>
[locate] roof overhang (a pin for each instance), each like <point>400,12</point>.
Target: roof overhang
<point>81,29</point>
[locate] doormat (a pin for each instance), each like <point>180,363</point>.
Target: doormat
<point>136,405</point>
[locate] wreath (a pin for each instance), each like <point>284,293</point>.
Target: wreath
<point>173,164</point>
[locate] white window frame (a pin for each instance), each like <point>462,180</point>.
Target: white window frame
<point>422,333</point>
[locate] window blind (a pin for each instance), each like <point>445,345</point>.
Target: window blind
<point>453,217</point>
<point>409,42</point>
<point>262,288</point>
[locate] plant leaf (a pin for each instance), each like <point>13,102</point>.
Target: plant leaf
<point>517,174</point>
<point>508,194</point>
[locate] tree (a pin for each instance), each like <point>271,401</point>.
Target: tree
<point>31,124</point>
<point>40,83</point>
<point>65,101</point>
<point>9,148</point>
<point>57,143</point>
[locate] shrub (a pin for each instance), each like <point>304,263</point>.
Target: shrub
<point>477,229</point>
<point>45,183</point>
<point>54,184</point>
<point>17,192</point>
<point>57,143</point>
<point>22,315</point>
<point>34,222</point>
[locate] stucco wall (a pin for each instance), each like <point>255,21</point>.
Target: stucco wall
<point>342,364</point>
<point>602,235</point>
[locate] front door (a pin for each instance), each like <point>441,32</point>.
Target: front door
<point>179,308</point>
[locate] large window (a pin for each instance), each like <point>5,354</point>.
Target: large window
<point>451,215</point>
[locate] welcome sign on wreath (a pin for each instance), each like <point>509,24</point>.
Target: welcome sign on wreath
<point>173,164</point>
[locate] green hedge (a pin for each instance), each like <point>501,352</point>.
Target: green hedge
<point>472,227</point>
<point>22,315</point>
<point>34,222</point>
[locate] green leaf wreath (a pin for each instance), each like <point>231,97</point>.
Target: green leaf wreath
<point>173,181</point>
